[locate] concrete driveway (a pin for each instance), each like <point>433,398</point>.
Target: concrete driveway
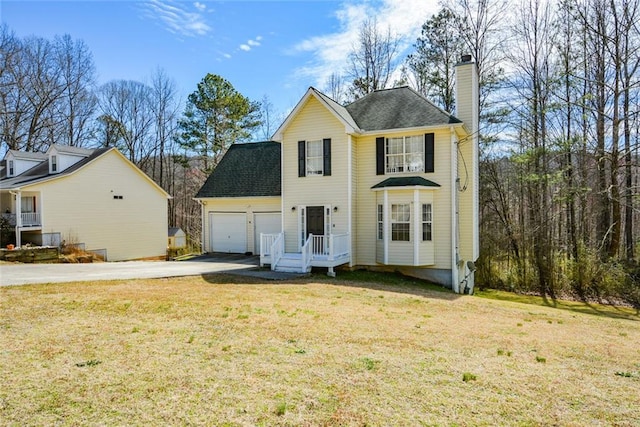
<point>22,274</point>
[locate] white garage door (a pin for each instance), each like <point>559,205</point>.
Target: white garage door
<point>267,223</point>
<point>228,232</point>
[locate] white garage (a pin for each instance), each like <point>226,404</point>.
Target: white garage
<point>228,232</point>
<point>267,223</point>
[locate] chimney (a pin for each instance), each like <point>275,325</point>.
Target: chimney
<point>467,98</point>
<point>467,106</point>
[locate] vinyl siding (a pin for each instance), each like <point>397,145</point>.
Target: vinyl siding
<point>366,243</point>
<point>468,203</point>
<point>314,122</point>
<point>247,206</point>
<point>81,207</point>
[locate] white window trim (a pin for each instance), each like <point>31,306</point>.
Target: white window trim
<point>380,221</point>
<point>403,167</point>
<point>428,220</point>
<point>308,159</point>
<point>406,206</point>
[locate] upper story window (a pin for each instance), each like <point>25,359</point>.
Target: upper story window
<point>314,158</point>
<point>405,154</point>
<point>11,169</point>
<point>54,163</point>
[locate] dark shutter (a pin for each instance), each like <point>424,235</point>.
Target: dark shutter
<point>326,153</point>
<point>380,156</point>
<point>428,153</point>
<point>302,167</point>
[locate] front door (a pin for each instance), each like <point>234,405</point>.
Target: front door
<point>315,226</point>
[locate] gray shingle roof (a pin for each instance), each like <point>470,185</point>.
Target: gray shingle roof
<point>397,108</point>
<point>246,170</point>
<point>406,181</point>
<point>40,172</point>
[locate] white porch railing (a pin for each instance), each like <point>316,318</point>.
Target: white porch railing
<point>319,251</point>
<point>319,245</point>
<point>277,250</point>
<point>30,219</point>
<point>338,245</point>
<point>307,252</point>
<point>266,240</point>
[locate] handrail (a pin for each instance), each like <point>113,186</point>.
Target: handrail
<point>338,245</point>
<point>307,253</point>
<point>277,250</point>
<point>266,240</point>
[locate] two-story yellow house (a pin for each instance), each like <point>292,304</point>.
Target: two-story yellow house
<point>389,181</point>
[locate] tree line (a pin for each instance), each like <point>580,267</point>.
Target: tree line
<point>559,127</point>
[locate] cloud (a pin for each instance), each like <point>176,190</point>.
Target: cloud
<point>251,44</point>
<point>330,52</point>
<point>176,17</point>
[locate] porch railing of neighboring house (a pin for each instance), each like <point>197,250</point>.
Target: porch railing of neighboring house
<point>30,219</point>
<point>277,250</point>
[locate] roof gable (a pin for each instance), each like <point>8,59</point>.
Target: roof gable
<point>246,170</point>
<point>332,106</point>
<point>397,108</point>
<point>40,173</point>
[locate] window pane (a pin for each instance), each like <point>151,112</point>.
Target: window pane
<point>400,232</point>
<point>426,222</point>
<point>394,146</point>
<point>315,162</point>
<point>426,231</point>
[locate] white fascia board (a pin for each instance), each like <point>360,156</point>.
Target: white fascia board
<point>408,187</point>
<point>412,129</point>
<point>278,134</point>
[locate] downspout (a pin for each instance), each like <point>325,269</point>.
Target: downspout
<point>349,197</point>
<point>18,196</point>
<point>201,225</point>
<point>455,286</point>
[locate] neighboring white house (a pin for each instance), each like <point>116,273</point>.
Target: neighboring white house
<point>389,181</point>
<point>96,198</point>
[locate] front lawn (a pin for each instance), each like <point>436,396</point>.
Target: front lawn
<point>351,351</point>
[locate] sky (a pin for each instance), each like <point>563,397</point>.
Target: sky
<point>273,49</point>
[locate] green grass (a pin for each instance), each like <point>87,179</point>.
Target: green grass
<point>573,306</point>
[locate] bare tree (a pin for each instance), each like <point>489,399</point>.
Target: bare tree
<point>127,104</point>
<point>336,88</point>
<point>164,109</point>
<point>269,119</point>
<point>77,104</point>
<point>373,59</point>
<point>45,91</point>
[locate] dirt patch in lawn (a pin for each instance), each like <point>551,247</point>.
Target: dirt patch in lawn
<point>237,351</point>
